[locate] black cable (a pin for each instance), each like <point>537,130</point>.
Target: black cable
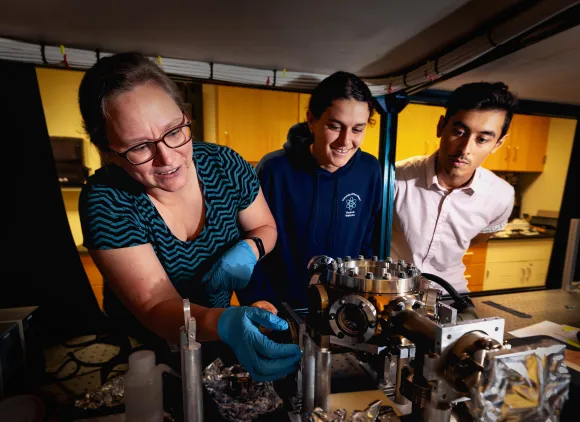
<point>460,303</point>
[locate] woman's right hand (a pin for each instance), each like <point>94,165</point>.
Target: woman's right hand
<point>264,359</point>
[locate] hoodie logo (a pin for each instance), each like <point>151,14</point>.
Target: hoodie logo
<point>350,203</point>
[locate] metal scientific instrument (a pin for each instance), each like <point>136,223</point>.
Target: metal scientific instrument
<point>436,361</point>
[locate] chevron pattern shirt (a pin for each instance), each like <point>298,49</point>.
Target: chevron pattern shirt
<point>116,212</point>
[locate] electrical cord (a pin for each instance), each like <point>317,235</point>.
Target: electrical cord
<point>460,303</point>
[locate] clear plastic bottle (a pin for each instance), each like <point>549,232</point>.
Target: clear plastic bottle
<point>143,388</point>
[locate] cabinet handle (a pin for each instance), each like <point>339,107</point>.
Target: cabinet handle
<point>529,273</point>
<point>226,133</point>
<point>507,155</point>
<point>467,276</point>
<point>516,153</point>
<point>522,274</point>
<point>486,274</point>
<point>468,253</point>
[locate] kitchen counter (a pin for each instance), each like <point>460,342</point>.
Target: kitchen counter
<point>524,236</point>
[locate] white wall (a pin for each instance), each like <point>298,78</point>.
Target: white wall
<point>544,191</point>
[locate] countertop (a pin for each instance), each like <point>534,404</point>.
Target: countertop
<point>524,236</point>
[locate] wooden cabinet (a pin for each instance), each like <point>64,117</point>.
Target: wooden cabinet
<point>254,122</point>
<point>417,130</point>
<point>474,261</point>
<point>525,148</point>
<point>94,276</point>
<point>517,263</point>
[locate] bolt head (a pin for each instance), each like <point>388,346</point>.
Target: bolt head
<point>340,335</point>
<point>342,301</point>
<point>369,275</point>
<point>332,316</point>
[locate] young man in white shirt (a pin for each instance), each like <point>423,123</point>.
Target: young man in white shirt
<point>446,202</point>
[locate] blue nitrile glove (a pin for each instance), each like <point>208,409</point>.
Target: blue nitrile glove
<point>231,272</point>
<point>260,356</point>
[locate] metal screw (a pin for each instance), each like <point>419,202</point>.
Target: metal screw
<point>496,328</point>
<point>370,275</point>
<point>340,335</point>
<point>402,274</point>
<point>372,324</point>
<point>400,306</point>
<point>342,302</point>
<point>361,305</point>
<point>332,316</point>
<point>448,336</point>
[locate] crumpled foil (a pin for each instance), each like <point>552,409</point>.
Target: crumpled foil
<point>373,413</point>
<point>238,398</point>
<point>528,382</point>
<point>110,394</point>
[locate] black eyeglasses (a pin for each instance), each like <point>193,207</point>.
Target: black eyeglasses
<point>146,151</point>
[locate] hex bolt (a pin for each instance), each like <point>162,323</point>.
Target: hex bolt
<point>370,275</point>
<point>340,335</point>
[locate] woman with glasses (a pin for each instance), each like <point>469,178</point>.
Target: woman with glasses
<point>169,218</point>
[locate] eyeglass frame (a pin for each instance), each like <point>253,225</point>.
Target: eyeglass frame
<point>155,142</point>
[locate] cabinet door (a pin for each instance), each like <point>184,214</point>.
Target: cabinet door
<point>535,273</point>
<point>417,130</point>
<point>499,161</point>
<point>254,122</point>
<point>529,140</point>
<point>503,275</point>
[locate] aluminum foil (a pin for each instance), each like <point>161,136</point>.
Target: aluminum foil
<point>110,394</point>
<point>238,398</point>
<point>373,413</point>
<point>528,383</point>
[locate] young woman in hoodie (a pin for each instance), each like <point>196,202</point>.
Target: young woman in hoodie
<point>323,191</point>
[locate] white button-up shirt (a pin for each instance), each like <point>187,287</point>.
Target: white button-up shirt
<point>433,227</point>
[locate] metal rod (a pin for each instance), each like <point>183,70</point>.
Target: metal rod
<point>191,379</point>
<point>308,379</point>
<point>322,383</point>
<point>571,254</point>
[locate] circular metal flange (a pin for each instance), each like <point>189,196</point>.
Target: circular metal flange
<point>374,276</point>
<point>353,318</point>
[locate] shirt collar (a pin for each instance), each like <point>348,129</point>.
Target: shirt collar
<point>431,176</point>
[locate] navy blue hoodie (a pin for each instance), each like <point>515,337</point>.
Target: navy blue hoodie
<point>317,213</point>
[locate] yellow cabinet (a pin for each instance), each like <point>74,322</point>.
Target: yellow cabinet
<point>474,261</point>
<point>417,130</point>
<point>525,148</point>
<point>517,263</point>
<point>254,122</point>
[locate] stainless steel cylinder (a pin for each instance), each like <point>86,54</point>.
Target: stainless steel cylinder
<point>322,383</point>
<point>308,375</point>
<point>191,380</point>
